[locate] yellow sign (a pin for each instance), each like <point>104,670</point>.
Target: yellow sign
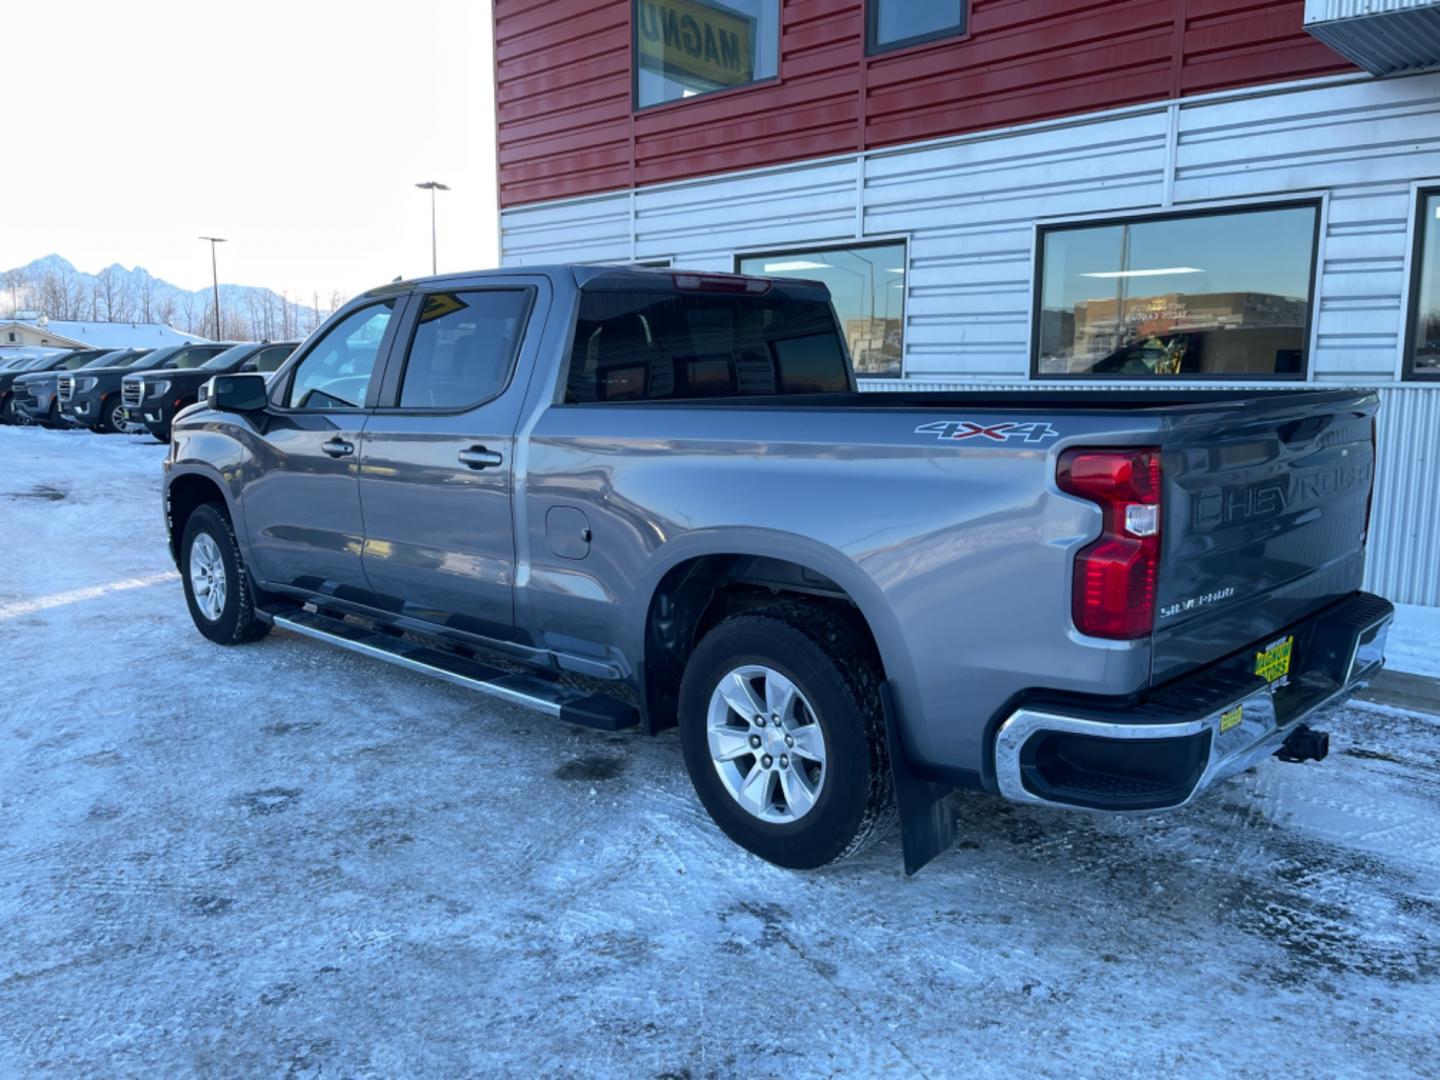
<point>1231,718</point>
<point>1274,663</point>
<point>705,46</point>
<point>440,304</point>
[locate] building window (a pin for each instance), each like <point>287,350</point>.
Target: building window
<point>867,286</point>
<point>893,24</point>
<point>684,48</point>
<point>1215,295</point>
<point>1422,354</point>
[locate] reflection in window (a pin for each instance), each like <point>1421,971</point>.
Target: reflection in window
<point>1220,294</point>
<point>1425,336</point>
<point>335,374</point>
<point>688,47</point>
<point>867,286</point>
<point>896,23</point>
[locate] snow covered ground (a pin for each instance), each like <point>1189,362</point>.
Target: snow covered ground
<point>286,860</point>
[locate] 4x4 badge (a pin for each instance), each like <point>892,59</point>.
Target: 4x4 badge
<point>956,430</point>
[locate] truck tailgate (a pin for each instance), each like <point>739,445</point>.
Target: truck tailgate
<point>1265,510</point>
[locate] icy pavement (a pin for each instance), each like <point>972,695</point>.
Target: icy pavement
<point>286,860</point>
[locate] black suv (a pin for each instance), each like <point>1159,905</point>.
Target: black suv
<point>92,397</point>
<point>153,398</point>
<point>67,361</point>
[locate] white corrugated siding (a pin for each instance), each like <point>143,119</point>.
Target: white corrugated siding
<point>969,206</point>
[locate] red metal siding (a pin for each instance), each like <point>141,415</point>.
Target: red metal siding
<point>563,82</point>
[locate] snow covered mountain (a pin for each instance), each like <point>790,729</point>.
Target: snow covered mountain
<point>53,286</point>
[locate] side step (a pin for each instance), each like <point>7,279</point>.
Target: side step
<point>552,698</point>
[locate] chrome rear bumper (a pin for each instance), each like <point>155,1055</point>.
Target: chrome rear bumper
<point>1163,755</point>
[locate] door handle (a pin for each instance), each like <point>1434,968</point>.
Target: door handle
<point>337,447</point>
<point>477,457</point>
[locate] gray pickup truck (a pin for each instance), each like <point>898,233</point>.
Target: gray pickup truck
<point>626,496</point>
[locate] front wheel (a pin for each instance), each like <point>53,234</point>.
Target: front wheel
<point>217,586</point>
<point>784,737</point>
<point>112,417</point>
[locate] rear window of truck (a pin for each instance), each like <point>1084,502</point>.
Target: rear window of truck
<point>643,346</point>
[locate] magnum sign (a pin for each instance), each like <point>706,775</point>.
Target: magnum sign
<point>695,43</point>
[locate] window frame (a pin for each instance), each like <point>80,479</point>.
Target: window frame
<point>1316,202</point>
<point>1408,370</point>
<point>903,239</point>
<point>636,108</point>
<point>392,382</point>
<point>872,25</point>
<point>284,376</point>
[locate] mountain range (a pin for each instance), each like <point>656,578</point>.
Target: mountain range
<point>54,287</point>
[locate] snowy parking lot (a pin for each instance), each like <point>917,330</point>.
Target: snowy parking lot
<point>286,860</point>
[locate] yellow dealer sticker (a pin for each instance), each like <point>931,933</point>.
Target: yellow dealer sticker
<point>1231,718</point>
<point>1273,663</point>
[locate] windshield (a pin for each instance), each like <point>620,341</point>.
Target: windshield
<point>83,359</point>
<point>115,357</point>
<point>193,356</point>
<point>142,358</point>
<point>230,356</point>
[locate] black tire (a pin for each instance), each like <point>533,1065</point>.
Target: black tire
<point>9,414</point>
<point>52,418</point>
<point>819,650</point>
<point>163,435</point>
<point>238,622</point>
<point>107,422</point>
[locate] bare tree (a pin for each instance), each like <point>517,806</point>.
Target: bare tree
<point>17,281</point>
<point>165,310</point>
<point>146,297</point>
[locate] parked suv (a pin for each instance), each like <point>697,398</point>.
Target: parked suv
<point>849,602</point>
<point>69,361</point>
<point>92,398</point>
<point>153,398</point>
<point>36,393</point>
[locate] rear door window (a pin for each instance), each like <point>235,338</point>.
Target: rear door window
<point>463,347</point>
<point>640,346</point>
<point>268,359</point>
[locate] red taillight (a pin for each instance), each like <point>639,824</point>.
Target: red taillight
<point>1114,592</point>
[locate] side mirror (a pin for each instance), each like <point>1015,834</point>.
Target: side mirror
<point>238,393</point>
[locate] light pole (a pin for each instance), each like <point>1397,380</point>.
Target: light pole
<point>432,186</point>
<point>215,279</point>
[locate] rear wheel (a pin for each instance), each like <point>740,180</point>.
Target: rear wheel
<point>217,585</point>
<point>783,735</point>
<point>9,414</point>
<point>160,434</point>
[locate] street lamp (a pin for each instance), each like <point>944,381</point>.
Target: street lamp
<point>215,279</point>
<point>432,186</point>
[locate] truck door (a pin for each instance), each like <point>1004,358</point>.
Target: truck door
<point>437,457</point>
<point>302,503</point>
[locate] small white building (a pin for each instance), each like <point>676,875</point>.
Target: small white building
<point>32,329</point>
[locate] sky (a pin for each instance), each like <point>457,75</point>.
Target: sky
<point>296,129</point>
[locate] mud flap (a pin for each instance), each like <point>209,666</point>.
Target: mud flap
<point>927,822</point>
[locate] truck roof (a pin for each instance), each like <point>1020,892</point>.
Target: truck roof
<point>585,274</point>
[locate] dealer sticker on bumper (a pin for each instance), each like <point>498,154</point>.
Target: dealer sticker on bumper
<point>1273,662</point>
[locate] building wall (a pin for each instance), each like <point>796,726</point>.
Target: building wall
<point>563,82</point>
<point>969,205</point>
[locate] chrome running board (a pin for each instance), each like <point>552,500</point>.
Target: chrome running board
<point>528,691</point>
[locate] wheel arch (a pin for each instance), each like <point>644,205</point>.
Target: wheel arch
<point>185,491</point>
<point>705,577</point>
